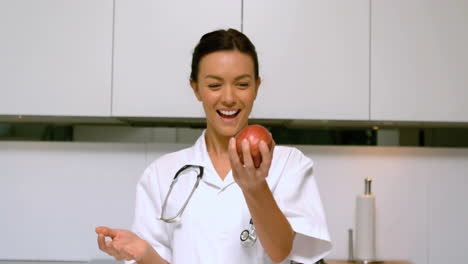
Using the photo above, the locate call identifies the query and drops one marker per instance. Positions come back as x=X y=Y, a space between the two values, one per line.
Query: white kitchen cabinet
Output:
x=154 y=41
x=419 y=60
x=314 y=58
x=55 y=57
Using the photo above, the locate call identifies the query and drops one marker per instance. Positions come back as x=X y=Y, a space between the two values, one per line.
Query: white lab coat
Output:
x=210 y=227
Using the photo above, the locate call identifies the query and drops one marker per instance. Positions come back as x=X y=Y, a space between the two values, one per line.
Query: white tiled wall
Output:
x=52 y=195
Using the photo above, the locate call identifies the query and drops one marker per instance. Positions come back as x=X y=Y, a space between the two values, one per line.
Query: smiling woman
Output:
x=227 y=88
x=233 y=201
x=225 y=79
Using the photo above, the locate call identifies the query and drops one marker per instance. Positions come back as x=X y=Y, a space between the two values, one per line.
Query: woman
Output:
x=278 y=201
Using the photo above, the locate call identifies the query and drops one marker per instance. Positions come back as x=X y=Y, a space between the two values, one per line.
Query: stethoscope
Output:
x=248 y=236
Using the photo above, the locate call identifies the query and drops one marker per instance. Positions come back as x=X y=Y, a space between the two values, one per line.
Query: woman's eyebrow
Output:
x=214 y=77
x=236 y=79
x=242 y=76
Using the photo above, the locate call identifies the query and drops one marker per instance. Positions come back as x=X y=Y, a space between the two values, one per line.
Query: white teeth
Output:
x=228 y=113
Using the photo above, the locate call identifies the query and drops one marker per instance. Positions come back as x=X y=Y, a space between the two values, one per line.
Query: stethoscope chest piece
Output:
x=248 y=237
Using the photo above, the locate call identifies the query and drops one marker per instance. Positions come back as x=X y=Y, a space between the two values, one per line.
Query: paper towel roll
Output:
x=365 y=227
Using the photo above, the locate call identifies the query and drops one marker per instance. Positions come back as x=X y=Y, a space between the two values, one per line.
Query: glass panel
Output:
x=283 y=135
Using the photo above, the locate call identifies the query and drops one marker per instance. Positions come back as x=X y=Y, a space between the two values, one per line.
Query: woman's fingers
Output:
x=116 y=250
x=233 y=156
x=273 y=144
x=110 y=247
x=267 y=155
x=248 y=161
x=125 y=245
x=101 y=242
x=100 y=229
x=104 y=245
x=106 y=231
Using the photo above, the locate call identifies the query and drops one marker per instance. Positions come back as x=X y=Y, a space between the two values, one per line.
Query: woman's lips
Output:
x=228 y=118
x=228 y=113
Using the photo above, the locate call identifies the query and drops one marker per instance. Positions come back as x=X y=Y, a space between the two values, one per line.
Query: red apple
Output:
x=254 y=134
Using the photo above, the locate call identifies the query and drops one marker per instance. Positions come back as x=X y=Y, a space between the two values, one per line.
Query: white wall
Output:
x=421 y=213
x=52 y=195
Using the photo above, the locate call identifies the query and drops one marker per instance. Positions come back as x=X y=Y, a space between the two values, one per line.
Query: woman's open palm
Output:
x=125 y=245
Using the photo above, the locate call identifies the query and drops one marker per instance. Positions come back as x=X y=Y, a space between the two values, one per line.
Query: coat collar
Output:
x=201 y=157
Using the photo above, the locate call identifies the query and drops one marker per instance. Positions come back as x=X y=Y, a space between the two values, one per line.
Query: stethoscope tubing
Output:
x=248 y=236
x=177 y=217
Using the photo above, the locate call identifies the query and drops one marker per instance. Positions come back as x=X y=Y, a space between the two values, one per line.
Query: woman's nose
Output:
x=228 y=95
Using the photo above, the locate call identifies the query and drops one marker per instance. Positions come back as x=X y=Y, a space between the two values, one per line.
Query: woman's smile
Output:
x=228 y=116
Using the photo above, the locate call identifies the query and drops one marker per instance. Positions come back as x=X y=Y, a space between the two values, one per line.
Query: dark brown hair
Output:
x=219 y=40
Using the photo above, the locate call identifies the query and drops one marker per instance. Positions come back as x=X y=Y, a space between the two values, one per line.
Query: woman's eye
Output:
x=243 y=85
x=214 y=85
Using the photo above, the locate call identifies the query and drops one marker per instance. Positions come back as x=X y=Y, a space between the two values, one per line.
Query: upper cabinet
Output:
x=154 y=41
x=419 y=60
x=314 y=58
x=55 y=57
x=383 y=60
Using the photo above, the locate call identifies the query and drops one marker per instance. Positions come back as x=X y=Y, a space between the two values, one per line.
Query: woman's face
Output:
x=227 y=88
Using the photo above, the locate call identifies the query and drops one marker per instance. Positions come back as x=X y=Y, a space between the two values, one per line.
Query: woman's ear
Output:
x=258 y=81
x=195 y=89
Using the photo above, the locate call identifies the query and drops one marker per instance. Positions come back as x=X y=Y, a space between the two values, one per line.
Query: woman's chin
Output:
x=227 y=131
x=230 y=128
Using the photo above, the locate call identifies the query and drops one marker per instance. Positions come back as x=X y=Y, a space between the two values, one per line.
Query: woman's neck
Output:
x=217 y=147
x=216 y=144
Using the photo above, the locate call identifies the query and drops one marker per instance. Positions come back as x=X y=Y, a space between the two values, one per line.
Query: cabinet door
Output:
x=314 y=58
x=154 y=41
x=56 y=57
x=419 y=60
